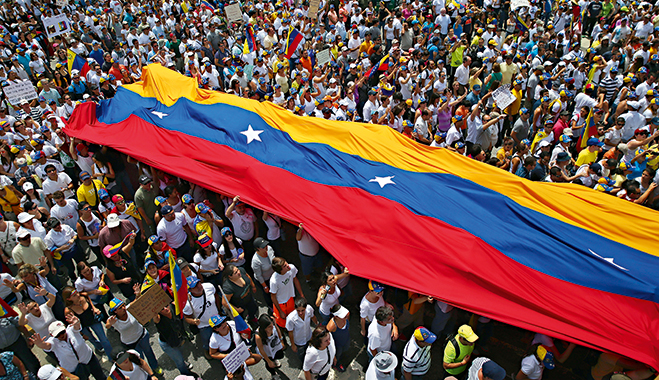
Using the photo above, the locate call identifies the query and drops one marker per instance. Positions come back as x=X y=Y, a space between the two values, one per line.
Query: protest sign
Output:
x=236 y=358
x=233 y=12
x=56 y=25
x=149 y=304
x=16 y=92
x=322 y=57
x=313 y=8
x=503 y=97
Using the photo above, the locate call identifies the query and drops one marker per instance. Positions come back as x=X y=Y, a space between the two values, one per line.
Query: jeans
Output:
x=177 y=357
x=185 y=251
x=101 y=341
x=301 y=352
x=310 y=262
x=205 y=336
x=144 y=348
x=75 y=255
x=92 y=368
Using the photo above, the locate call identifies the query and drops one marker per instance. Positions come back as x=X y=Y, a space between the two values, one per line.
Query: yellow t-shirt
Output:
x=87 y=193
x=516 y=105
x=586 y=157
x=502 y=153
x=365 y=47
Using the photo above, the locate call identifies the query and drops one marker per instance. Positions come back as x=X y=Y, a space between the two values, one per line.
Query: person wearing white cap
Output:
x=70 y=348
x=50 y=372
x=382 y=367
x=30 y=249
x=32 y=225
x=339 y=326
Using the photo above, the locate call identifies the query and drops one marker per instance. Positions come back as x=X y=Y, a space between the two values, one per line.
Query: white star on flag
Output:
x=252 y=134
x=609 y=260
x=383 y=181
x=159 y=114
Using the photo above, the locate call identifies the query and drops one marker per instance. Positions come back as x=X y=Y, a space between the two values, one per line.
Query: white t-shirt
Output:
x=63 y=180
x=379 y=337
x=222 y=343
x=84 y=285
x=207 y=263
x=282 y=284
x=67 y=214
x=319 y=361
x=274 y=227
x=532 y=368
x=301 y=328
x=234 y=252
x=64 y=349
x=40 y=324
x=130 y=330
x=367 y=309
x=194 y=305
x=308 y=246
x=243 y=224
x=173 y=231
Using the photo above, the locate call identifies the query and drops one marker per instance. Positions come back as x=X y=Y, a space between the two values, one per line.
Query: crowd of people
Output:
x=86 y=230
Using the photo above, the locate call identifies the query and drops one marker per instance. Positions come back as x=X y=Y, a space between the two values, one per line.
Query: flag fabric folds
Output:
x=292 y=41
x=250 y=40
x=520 y=24
x=382 y=65
x=75 y=62
x=6 y=311
x=179 y=285
x=589 y=129
x=559 y=259
x=207 y=5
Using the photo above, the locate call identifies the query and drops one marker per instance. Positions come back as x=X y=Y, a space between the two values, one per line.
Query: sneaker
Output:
x=157 y=371
x=339 y=368
x=276 y=377
x=277 y=363
x=190 y=366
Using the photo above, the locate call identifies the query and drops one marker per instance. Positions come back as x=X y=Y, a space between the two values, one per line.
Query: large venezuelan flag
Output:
x=560 y=259
x=75 y=62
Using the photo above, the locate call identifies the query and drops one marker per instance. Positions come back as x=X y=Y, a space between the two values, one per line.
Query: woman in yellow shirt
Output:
x=10 y=202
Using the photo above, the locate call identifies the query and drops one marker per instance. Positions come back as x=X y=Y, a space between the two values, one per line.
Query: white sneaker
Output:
x=277 y=363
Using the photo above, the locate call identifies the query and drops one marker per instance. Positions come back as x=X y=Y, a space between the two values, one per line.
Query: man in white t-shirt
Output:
x=298 y=324
x=283 y=284
x=173 y=229
x=244 y=223
x=534 y=364
x=381 y=332
x=66 y=210
x=57 y=181
x=201 y=306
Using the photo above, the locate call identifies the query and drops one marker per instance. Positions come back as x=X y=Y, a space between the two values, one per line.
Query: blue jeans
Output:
x=144 y=348
x=101 y=341
x=176 y=356
x=310 y=262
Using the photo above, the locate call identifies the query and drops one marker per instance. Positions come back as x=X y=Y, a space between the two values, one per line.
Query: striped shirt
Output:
x=610 y=85
x=416 y=360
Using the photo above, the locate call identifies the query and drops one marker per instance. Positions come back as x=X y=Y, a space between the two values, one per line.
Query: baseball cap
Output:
x=27 y=185
x=49 y=372
x=201 y=208
x=204 y=240
x=166 y=210
x=192 y=281
x=52 y=222
x=56 y=328
x=375 y=286
x=113 y=220
x=84 y=175
x=562 y=156
x=546 y=357
x=117 y=198
x=422 y=334
x=22 y=232
x=476 y=87
x=565 y=139
x=216 y=320
x=225 y=230
x=467 y=333
x=144 y=179
x=593 y=141
x=153 y=239
x=182 y=263
x=102 y=193
x=159 y=200
x=149 y=262
x=115 y=304
x=260 y=242
x=492 y=370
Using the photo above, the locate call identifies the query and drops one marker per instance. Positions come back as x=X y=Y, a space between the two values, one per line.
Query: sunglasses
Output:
x=121 y=202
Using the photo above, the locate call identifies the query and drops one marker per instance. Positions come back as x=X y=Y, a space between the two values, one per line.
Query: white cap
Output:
x=333 y=80
x=56 y=328
x=543 y=144
x=113 y=220
x=22 y=233
x=75 y=72
x=49 y=372
x=24 y=217
x=341 y=313
x=27 y=186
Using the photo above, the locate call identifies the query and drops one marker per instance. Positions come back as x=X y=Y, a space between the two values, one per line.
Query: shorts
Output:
x=286 y=308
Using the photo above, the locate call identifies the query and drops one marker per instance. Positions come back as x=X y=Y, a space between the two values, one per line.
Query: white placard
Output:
x=313 y=8
x=236 y=358
x=233 y=12
x=62 y=3
x=503 y=97
x=16 y=92
x=322 y=57
x=57 y=25
x=514 y=4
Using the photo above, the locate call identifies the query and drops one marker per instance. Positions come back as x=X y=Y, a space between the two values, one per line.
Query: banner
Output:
x=322 y=57
x=16 y=92
x=514 y=4
x=233 y=12
x=313 y=9
x=149 y=304
x=56 y=25
x=503 y=97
